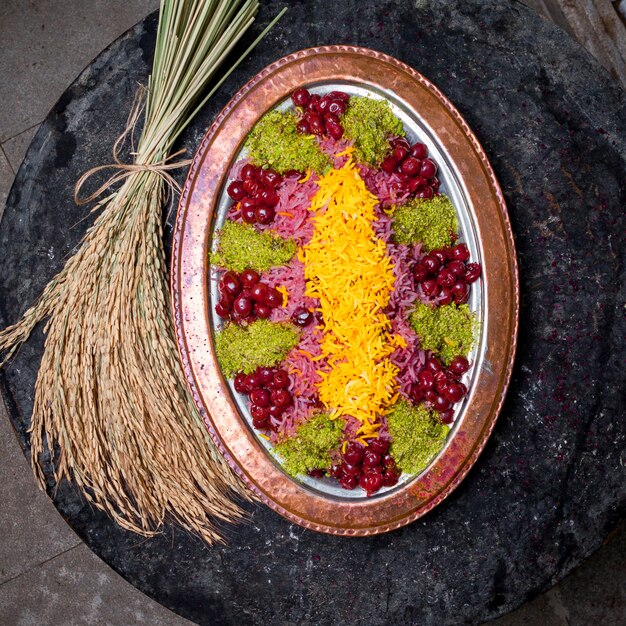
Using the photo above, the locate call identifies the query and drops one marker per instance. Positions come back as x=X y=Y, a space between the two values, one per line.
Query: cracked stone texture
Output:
x=550 y=485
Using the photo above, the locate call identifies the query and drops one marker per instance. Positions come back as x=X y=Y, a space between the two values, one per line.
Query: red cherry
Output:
x=339 y=95
x=280 y=380
x=303 y=127
x=445 y=278
x=388 y=460
x=428 y=169
x=317 y=126
x=323 y=104
x=441 y=404
x=354 y=453
x=276 y=411
x=441 y=381
x=390 y=477
x=399 y=152
x=236 y=191
x=416 y=394
x=419 y=151
x=420 y=272
x=371 y=458
x=240 y=386
x=266 y=374
x=269 y=198
x=446 y=417
x=460 y=252
x=259 y=412
x=426 y=379
x=221 y=310
x=389 y=164
x=300 y=97
x=430 y=287
x=416 y=183
x=335 y=471
x=248 y=214
x=459 y=365
x=433 y=364
x=371 y=482
x=270 y=178
x=460 y=292
x=457 y=267
x=262 y=424
x=473 y=272
x=249 y=278
x=280 y=397
x=313 y=102
x=441 y=254
x=248 y=172
x=445 y=296
x=348 y=482
x=400 y=141
x=259 y=291
x=454 y=392
x=431 y=263
x=380 y=445
x=430 y=395
x=252 y=381
x=251 y=186
x=273 y=298
x=329 y=118
x=426 y=193
x=230 y=284
x=337 y=107
x=260 y=397
x=410 y=166
x=351 y=470
x=264 y=214
x=334 y=130
x=243 y=306
x=262 y=311
x=302 y=317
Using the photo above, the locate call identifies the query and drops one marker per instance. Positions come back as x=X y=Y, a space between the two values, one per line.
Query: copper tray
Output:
x=466 y=177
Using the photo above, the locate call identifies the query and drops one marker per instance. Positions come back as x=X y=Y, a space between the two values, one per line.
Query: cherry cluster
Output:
x=445 y=273
x=266 y=388
x=244 y=298
x=440 y=387
x=370 y=467
x=256 y=191
x=417 y=172
x=320 y=114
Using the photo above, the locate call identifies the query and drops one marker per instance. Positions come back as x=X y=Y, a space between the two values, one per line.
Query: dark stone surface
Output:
x=551 y=483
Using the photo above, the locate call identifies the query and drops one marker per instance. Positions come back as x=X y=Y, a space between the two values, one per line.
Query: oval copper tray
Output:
x=484 y=220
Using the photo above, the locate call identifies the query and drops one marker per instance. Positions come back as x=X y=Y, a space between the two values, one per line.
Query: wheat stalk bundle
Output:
x=111 y=402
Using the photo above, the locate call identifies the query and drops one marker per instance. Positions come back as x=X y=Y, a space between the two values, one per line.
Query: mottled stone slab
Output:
x=551 y=483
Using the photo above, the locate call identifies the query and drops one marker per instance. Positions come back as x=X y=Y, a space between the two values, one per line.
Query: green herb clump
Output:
x=429 y=222
x=242 y=247
x=276 y=143
x=260 y=344
x=417 y=436
x=312 y=444
x=446 y=330
x=369 y=123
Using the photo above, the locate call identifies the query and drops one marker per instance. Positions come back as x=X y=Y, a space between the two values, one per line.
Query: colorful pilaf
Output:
x=334 y=341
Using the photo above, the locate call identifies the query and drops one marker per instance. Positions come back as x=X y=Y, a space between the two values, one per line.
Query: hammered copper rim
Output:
x=190 y=291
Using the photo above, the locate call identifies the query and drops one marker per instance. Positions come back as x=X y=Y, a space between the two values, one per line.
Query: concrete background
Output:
x=47 y=575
